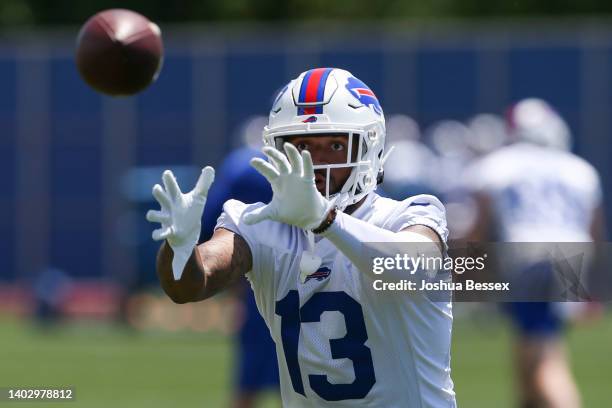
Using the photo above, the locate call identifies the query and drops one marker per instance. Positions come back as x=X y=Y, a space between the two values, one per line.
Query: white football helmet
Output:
x=535 y=121
x=325 y=101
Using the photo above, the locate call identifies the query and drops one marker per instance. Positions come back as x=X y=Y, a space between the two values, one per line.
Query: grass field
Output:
x=114 y=367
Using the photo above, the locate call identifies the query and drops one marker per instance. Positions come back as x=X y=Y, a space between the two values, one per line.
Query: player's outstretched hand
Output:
x=295 y=198
x=180 y=215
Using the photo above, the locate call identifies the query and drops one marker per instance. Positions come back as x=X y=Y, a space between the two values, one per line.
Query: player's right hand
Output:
x=180 y=215
x=295 y=198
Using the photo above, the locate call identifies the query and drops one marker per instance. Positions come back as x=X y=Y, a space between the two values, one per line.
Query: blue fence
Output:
x=65 y=150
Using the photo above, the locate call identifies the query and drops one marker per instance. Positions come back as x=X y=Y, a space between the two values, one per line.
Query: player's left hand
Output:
x=295 y=200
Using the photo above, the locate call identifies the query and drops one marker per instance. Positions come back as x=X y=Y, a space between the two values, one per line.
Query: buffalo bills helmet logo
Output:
x=363 y=94
x=310 y=119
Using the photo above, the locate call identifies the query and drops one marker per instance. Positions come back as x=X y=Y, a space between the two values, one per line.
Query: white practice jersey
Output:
x=538 y=194
x=339 y=343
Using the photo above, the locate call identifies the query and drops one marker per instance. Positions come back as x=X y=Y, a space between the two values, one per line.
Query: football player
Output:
x=308 y=254
x=535 y=190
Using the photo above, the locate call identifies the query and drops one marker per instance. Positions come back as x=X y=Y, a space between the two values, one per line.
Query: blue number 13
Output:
x=351 y=346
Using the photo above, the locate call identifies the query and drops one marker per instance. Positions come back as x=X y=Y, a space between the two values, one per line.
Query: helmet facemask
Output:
x=364 y=153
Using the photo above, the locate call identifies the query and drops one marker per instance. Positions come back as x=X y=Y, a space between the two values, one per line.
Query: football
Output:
x=119 y=52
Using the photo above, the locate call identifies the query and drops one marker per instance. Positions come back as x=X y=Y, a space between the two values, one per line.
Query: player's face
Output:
x=325 y=149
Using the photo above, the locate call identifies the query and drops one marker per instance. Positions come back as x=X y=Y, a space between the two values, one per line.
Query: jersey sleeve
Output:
x=231 y=219
x=422 y=209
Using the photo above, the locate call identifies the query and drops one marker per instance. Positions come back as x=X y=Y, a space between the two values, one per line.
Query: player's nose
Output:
x=318 y=156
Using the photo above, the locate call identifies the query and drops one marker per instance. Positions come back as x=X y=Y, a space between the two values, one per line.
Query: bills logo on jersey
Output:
x=363 y=94
x=321 y=273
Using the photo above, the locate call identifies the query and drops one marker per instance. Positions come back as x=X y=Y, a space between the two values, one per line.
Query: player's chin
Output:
x=321 y=187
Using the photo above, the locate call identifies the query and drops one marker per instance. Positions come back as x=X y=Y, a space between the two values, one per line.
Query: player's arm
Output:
x=481 y=229
x=212 y=267
x=189 y=272
x=598 y=225
x=428 y=233
x=361 y=241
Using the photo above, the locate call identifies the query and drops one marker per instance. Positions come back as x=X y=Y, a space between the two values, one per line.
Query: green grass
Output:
x=114 y=367
x=482 y=363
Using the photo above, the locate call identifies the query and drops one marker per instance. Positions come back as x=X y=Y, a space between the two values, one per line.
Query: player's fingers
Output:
x=294 y=157
x=161 y=197
x=171 y=185
x=265 y=169
x=204 y=182
x=158 y=216
x=308 y=168
x=161 y=233
x=258 y=215
x=278 y=159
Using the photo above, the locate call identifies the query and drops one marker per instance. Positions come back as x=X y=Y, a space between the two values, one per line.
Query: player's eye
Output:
x=302 y=146
x=338 y=147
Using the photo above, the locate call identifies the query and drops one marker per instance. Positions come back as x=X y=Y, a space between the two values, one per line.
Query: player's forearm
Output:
x=361 y=242
x=212 y=267
x=191 y=282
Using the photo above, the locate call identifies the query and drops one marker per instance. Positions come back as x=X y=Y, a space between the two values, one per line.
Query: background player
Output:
x=535 y=190
x=337 y=340
x=256 y=369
